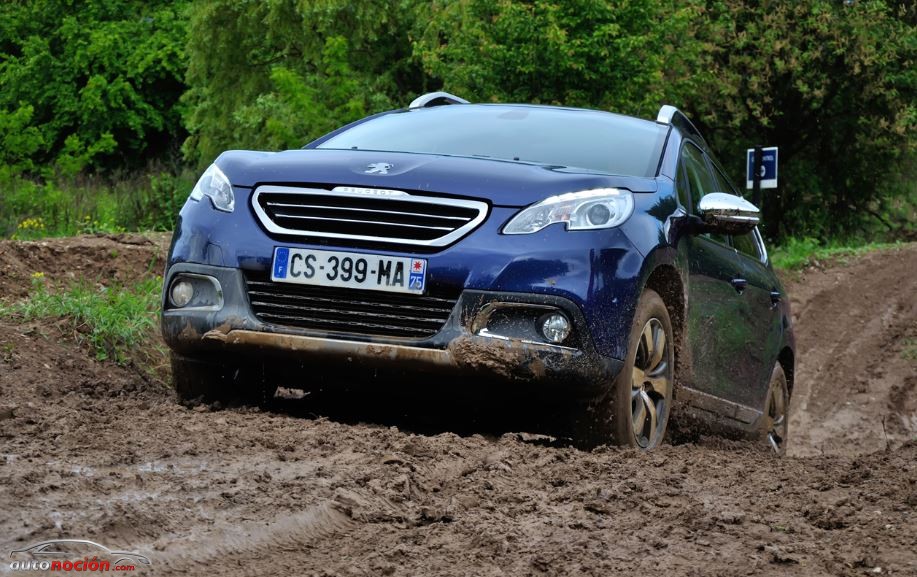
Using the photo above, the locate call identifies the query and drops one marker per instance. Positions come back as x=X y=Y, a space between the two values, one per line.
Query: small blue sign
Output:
x=281 y=258
x=768 y=168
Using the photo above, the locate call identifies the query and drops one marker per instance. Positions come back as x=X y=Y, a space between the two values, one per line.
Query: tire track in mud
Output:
x=250 y=546
x=401 y=502
x=852 y=325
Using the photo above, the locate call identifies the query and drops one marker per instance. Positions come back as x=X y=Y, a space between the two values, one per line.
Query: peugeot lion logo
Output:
x=378 y=168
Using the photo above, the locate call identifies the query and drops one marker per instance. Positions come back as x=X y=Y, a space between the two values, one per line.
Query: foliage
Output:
x=798 y=253
x=621 y=55
x=91 y=84
x=833 y=84
x=299 y=69
x=111 y=319
x=94 y=91
x=19 y=140
x=148 y=200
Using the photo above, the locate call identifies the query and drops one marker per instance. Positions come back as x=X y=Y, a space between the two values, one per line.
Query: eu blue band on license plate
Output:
x=281 y=260
x=349 y=270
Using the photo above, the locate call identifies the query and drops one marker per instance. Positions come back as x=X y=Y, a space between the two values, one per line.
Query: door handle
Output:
x=776 y=297
x=740 y=284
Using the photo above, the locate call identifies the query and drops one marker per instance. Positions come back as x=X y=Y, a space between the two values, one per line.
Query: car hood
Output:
x=503 y=183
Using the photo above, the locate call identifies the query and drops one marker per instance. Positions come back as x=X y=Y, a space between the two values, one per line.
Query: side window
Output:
x=747 y=244
x=681 y=186
x=723 y=184
x=699 y=177
x=700 y=181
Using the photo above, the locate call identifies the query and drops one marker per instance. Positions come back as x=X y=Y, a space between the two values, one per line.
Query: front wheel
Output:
x=634 y=411
x=775 y=421
x=197 y=381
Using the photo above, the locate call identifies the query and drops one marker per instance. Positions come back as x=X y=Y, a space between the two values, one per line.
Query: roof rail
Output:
x=436 y=99
x=671 y=116
x=666 y=113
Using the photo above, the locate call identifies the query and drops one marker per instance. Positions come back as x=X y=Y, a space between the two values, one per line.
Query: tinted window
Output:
x=700 y=181
x=681 y=186
x=699 y=178
x=747 y=244
x=584 y=139
x=722 y=183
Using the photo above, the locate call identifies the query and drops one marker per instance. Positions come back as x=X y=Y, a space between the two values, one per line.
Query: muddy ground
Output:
x=97 y=451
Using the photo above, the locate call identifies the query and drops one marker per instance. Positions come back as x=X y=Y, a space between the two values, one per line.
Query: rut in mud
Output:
x=92 y=450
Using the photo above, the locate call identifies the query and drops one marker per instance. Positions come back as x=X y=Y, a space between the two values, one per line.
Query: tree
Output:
x=99 y=80
x=624 y=55
x=278 y=74
x=833 y=84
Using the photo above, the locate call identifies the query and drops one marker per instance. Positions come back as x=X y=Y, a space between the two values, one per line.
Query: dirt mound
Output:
x=88 y=450
x=113 y=258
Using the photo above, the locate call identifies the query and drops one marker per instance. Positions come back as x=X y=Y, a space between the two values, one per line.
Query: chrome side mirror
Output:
x=728 y=214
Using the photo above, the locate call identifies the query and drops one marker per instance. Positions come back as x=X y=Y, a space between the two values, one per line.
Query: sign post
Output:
x=761 y=171
x=756 y=176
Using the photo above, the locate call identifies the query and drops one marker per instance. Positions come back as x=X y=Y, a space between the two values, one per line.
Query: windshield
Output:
x=585 y=139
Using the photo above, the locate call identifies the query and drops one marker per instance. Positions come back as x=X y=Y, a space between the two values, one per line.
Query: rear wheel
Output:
x=198 y=381
x=634 y=411
x=775 y=427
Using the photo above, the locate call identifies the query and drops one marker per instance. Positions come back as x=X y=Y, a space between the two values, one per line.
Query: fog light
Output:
x=555 y=327
x=181 y=294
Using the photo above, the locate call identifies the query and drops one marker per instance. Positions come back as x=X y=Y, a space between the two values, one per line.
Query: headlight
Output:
x=586 y=210
x=213 y=183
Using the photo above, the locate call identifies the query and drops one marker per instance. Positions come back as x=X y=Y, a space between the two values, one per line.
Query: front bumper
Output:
x=460 y=349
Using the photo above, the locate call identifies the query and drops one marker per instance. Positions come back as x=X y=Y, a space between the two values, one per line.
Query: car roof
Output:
x=512 y=105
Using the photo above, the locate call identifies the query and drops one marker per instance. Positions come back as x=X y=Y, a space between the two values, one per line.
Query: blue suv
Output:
x=599 y=261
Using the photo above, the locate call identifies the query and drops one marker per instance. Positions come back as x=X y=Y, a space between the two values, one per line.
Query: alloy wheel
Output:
x=651 y=385
x=776 y=424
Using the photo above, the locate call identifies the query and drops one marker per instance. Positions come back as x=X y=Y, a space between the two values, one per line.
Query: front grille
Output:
x=347 y=310
x=374 y=215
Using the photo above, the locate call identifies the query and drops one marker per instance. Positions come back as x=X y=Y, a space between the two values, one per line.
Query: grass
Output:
x=795 y=253
x=910 y=349
x=113 y=320
x=32 y=208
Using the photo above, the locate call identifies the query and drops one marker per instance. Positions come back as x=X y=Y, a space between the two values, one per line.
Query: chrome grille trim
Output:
x=462 y=225
x=348 y=310
x=288 y=205
x=375 y=222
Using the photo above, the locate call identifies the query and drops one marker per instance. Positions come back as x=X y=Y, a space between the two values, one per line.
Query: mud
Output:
x=105 y=259
x=508 y=360
x=92 y=450
x=857 y=349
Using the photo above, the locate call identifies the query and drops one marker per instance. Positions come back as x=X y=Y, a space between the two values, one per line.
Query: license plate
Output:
x=349 y=270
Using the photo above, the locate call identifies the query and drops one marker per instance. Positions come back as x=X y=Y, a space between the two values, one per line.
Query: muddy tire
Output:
x=634 y=409
x=775 y=421
x=202 y=382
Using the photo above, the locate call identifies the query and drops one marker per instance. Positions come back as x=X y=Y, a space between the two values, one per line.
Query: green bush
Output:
x=278 y=74
x=111 y=319
x=150 y=200
x=621 y=55
x=94 y=83
x=834 y=85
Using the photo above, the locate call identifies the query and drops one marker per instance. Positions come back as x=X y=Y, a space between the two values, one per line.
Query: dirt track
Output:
x=91 y=450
